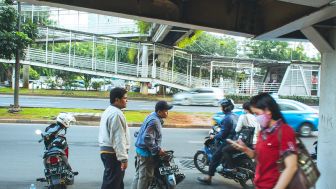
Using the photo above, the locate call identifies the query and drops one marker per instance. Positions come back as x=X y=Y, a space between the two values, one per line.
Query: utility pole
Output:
x=16 y=108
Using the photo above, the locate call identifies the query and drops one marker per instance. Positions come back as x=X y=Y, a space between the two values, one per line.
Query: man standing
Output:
x=148 y=145
x=114 y=140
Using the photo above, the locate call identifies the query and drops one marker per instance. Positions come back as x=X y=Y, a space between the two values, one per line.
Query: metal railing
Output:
x=122 y=68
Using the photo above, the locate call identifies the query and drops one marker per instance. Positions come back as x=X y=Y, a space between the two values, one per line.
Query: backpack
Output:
x=246 y=134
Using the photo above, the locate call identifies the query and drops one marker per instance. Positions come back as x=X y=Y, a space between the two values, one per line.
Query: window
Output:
x=287 y=107
x=206 y=91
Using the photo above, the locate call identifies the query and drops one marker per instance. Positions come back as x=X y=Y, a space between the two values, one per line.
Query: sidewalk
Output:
x=92 y=119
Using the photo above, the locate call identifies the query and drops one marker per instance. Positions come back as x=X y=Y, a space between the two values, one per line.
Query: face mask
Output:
x=264 y=120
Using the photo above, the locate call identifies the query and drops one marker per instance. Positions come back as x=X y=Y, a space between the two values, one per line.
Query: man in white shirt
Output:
x=114 y=140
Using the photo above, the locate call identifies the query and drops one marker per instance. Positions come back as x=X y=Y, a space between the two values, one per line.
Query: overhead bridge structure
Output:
x=108 y=57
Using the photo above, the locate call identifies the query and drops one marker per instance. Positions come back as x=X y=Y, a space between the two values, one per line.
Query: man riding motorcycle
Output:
x=227 y=126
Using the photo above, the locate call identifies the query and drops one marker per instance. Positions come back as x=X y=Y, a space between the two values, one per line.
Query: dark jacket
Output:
x=227 y=125
x=150 y=136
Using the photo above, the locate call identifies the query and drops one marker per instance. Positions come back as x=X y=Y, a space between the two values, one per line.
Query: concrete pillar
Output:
x=144 y=88
x=327 y=119
x=164 y=60
x=327 y=122
x=25 y=71
x=144 y=62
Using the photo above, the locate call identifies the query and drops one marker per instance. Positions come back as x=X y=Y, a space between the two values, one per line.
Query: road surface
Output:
x=21 y=156
x=92 y=103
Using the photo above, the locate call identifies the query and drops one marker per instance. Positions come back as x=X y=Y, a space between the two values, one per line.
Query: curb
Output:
x=94 y=123
x=91 y=97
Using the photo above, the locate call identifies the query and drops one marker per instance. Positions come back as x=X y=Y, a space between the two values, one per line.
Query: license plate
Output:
x=55 y=170
x=168 y=170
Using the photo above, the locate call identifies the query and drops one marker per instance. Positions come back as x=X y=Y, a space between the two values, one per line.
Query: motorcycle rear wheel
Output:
x=201 y=162
x=58 y=186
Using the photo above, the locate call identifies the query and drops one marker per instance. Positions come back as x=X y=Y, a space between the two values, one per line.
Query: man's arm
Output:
x=240 y=123
x=118 y=138
x=226 y=127
x=150 y=136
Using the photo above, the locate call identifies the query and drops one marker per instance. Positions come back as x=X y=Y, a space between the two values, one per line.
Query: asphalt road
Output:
x=90 y=103
x=21 y=156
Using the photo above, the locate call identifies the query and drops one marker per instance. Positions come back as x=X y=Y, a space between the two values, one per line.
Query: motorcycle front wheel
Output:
x=201 y=162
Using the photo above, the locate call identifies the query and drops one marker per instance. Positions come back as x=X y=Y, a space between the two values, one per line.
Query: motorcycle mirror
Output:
x=38 y=132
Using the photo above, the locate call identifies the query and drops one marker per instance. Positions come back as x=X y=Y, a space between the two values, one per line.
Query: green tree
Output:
x=10 y=38
x=87 y=80
x=274 y=50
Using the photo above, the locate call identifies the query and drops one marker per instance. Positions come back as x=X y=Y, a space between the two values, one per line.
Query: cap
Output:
x=162 y=105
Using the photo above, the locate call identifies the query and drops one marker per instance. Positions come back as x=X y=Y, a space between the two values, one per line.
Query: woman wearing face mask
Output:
x=275 y=141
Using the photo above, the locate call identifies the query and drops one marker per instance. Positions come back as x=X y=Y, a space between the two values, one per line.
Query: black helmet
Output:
x=227 y=105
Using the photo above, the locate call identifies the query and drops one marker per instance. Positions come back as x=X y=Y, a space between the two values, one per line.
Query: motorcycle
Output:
x=58 y=172
x=167 y=174
x=244 y=166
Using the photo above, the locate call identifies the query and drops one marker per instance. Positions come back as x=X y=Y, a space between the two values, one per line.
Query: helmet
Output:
x=65 y=119
x=227 y=104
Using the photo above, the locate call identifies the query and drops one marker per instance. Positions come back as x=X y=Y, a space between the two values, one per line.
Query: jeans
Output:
x=113 y=175
x=216 y=159
x=145 y=167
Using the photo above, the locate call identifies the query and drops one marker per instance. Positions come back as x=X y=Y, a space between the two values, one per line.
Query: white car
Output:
x=199 y=96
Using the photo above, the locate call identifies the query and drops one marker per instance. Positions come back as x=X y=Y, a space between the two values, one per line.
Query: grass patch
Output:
x=131 y=116
x=76 y=93
x=40 y=113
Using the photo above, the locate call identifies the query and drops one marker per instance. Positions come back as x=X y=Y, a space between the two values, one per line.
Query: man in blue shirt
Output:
x=148 y=145
x=227 y=131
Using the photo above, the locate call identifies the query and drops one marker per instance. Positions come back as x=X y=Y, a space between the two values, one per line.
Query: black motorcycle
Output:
x=167 y=174
x=58 y=172
x=244 y=167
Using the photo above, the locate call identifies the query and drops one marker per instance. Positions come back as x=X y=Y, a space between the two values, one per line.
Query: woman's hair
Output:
x=247 y=106
x=265 y=101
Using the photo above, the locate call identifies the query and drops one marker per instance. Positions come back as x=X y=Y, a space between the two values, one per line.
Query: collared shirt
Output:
x=269 y=149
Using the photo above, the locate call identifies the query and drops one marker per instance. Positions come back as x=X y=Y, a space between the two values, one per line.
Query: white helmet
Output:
x=65 y=119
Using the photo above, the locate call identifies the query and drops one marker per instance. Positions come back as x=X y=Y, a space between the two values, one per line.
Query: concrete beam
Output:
x=304 y=22
x=243 y=18
x=317 y=40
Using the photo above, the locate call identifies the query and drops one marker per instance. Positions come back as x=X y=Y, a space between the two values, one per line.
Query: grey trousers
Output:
x=144 y=172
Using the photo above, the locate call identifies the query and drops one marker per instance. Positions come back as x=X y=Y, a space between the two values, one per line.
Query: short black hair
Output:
x=162 y=105
x=247 y=106
x=265 y=101
x=117 y=92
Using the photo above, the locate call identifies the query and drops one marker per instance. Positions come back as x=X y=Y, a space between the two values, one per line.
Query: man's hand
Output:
x=124 y=166
x=162 y=153
x=212 y=136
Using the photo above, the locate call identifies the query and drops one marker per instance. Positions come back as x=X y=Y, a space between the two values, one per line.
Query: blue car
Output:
x=302 y=118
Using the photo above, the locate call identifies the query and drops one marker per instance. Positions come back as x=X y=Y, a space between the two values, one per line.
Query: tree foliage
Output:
x=11 y=39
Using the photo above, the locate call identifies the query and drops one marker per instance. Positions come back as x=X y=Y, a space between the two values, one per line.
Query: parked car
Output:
x=302 y=118
x=199 y=96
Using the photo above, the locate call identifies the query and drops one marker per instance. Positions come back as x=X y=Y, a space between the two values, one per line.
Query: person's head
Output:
x=266 y=108
x=227 y=105
x=65 y=119
x=247 y=107
x=161 y=108
x=118 y=97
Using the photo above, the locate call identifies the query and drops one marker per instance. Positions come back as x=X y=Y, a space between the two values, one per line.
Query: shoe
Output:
x=204 y=181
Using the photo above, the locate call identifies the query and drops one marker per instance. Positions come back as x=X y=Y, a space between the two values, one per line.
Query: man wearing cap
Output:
x=148 y=145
